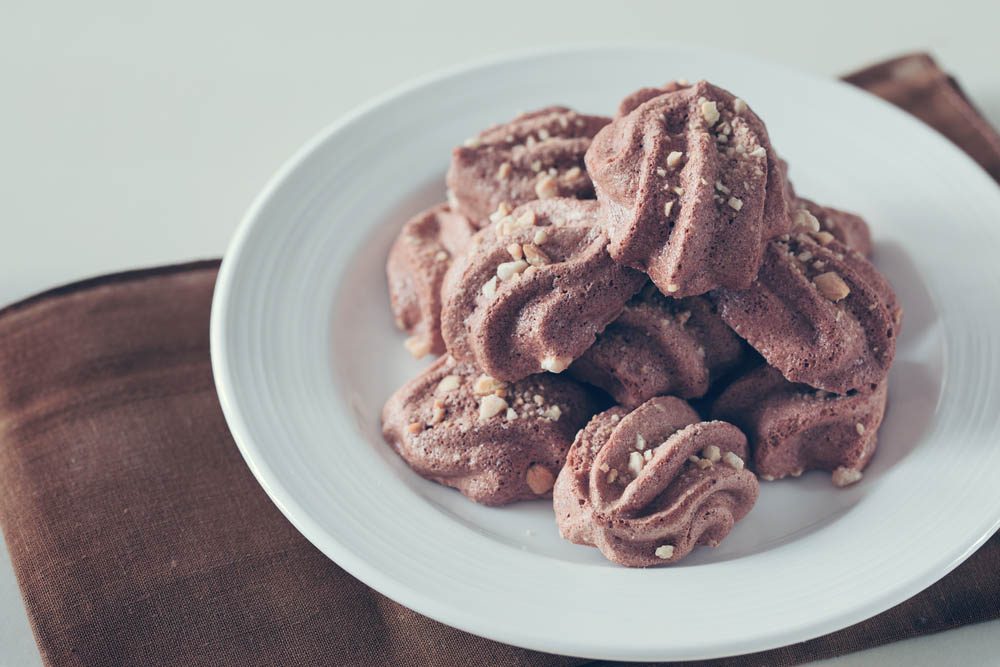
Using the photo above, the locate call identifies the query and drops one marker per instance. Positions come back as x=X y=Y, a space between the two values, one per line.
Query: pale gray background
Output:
x=133 y=135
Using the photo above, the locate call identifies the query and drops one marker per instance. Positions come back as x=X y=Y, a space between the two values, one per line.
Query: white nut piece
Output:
x=555 y=364
x=547 y=187
x=490 y=406
x=712 y=453
x=540 y=479
x=831 y=286
x=665 y=552
x=846 y=476
x=674 y=158
x=805 y=221
x=710 y=112
x=635 y=463
x=733 y=461
x=447 y=383
x=508 y=270
x=417 y=346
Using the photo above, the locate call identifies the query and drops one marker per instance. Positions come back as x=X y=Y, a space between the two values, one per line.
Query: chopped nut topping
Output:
x=823 y=238
x=547 y=188
x=472 y=142
x=541 y=236
x=832 y=286
x=767 y=478
x=635 y=463
x=647 y=455
x=438 y=415
x=739 y=106
x=678 y=191
x=538 y=399
x=733 y=461
x=573 y=172
x=660 y=171
x=509 y=138
x=485 y=384
x=555 y=364
x=563 y=122
x=712 y=453
x=526 y=219
x=860 y=428
x=721 y=188
x=673 y=287
x=511 y=414
x=735 y=203
x=846 y=476
x=604 y=467
x=507 y=270
x=490 y=288
x=682 y=317
x=612 y=476
x=417 y=346
x=666 y=552
x=543 y=134
x=536 y=166
x=534 y=255
x=503 y=173
x=503 y=210
x=704 y=463
x=640 y=442
x=441 y=255
x=540 y=479
x=415 y=427
x=447 y=383
x=552 y=413
x=490 y=406
x=804 y=256
x=668 y=207
x=674 y=158
x=710 y=112
x=760 y=151
x=805 y=221
x=516 y=251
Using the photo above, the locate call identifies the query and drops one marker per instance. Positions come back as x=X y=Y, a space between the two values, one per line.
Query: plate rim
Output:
x=410 y=596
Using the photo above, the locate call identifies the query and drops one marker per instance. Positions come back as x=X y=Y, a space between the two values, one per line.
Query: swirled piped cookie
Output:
x=645 y=487
x=534 y=289
x=818 y=312
x=660 y=346
x=794 y=428
x=494 y=441
x=690 y=187
x=418 y=261
x=537 y=155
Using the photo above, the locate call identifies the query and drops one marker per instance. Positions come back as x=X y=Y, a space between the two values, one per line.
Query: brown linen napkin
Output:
x=139 y=536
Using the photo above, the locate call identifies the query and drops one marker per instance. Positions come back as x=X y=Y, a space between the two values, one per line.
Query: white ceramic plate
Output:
x=305 y=354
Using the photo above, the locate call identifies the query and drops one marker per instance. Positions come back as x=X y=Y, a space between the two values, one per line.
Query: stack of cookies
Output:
x=637 y=317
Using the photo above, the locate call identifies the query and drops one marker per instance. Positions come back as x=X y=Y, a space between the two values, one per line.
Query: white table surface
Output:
x=133 y=136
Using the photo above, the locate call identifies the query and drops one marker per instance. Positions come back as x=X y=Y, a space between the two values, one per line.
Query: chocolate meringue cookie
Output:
x=848 y=228
x=818 y=312
x=793 y=427
x=538 y=155
x=493 y=441
x=660 y=346
x=690 y=187
x=417 y=263
x=533 y=290
x=645 y=487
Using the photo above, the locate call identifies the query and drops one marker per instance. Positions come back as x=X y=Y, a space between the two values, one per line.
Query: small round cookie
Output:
x=818 y=312
x=538 y=155
x=691 y=188
x=533 y=290
x=495 y=442
x=645 y=487
x=793 y=427
x=417 y=262
x=660 y=346
x=848 y=228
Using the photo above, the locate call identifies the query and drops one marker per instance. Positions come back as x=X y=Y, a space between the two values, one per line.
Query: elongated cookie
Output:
x=534 y=289
x=418 y=261
x=818 y=312
x=660 y=346
x=495 y=442
x=691 y=188
x=645 y=487
x=538 y=155
x=793 y=427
